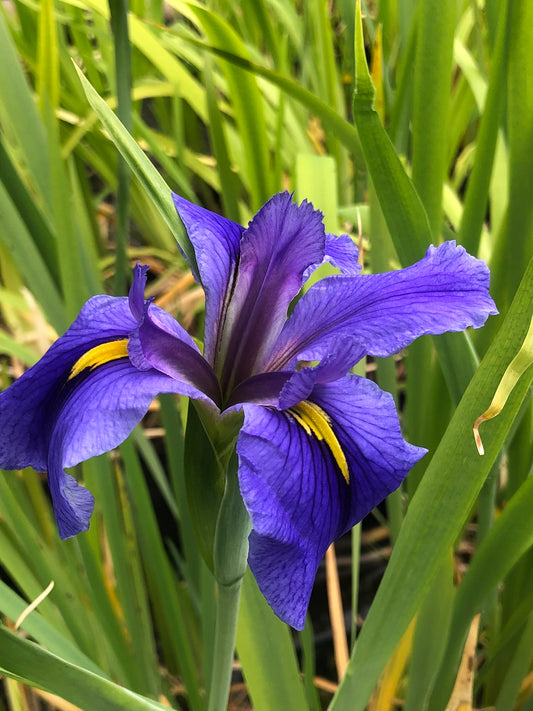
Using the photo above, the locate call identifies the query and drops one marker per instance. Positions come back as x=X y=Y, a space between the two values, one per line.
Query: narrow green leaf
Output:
x=48 y=58
x=19 y=112
x=432 y=82
x=147 y=39
x=131 y=631
x=308 y=665
x=518 y=247
x=18 y=243
x=518 y=670
x=30 y=664
x=334 y=123
x=167 y=603
x=429 y=641
x=69 y=249
x=37 y=223
x=42 y=631
x=316 y=181
x=32 y=567
x=247 y=103
x=507 y=541
x=123 y=78
x=9 y=346
x=139 y=163
x=402 y=208
x=228 y=179
x=266 y=654
x=115 y=654
x=321 y=49
x=174 y=449
x=477 y=190
x=155 y=467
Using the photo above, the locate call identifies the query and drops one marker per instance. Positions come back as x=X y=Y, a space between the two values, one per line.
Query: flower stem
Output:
x=229 y=558
x=225 y=630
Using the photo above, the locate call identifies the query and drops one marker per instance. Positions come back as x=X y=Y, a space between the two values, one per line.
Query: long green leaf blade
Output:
x=139 y=163
x=25 y=661
x=266 y=653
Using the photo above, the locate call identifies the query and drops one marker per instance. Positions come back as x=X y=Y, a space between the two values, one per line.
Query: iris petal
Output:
x=445 y=291
x=86 y=394
x=367 y=427
x=297 y=497
x=341 y=252
x=96 y=413
x=216 y=242
x=27 y=407
x=281 y=242
x=136 y=296
x=339 y=357
x=159 y=342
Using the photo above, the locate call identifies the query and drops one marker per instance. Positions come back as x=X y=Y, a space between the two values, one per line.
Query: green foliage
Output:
x=227 y=103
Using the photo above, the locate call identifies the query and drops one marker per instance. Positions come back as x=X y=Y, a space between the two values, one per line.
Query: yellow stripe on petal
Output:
x=315 y=421
x=99 y=355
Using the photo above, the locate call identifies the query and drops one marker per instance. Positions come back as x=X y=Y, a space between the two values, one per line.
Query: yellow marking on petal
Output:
x=99 y=355
x=315 y=421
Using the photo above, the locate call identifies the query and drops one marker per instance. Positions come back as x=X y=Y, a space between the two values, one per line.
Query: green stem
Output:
x=230 y=560
x=227 y=612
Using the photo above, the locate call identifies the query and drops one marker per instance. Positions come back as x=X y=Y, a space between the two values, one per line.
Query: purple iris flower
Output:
x=319 y=448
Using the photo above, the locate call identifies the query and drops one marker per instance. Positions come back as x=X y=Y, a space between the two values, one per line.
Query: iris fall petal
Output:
x=295 y=493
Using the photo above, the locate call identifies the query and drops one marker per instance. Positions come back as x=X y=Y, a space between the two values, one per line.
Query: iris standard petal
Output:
x=281 y=242
x=216 y=242
x=296 y=494
x=448 y=290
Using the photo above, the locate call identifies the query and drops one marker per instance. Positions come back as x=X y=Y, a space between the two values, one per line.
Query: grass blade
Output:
x=267 y=655
x=30 y=664
x=18 y=243
x=247 y=104
x=119 y=25
x=507 y=541
x=139 y=163
x=477 y=190
x=19 y=112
